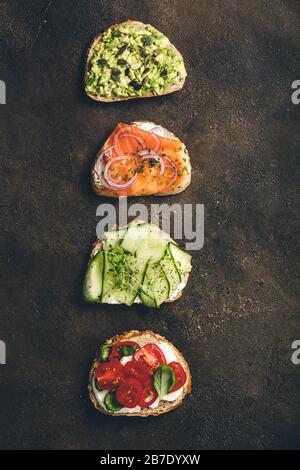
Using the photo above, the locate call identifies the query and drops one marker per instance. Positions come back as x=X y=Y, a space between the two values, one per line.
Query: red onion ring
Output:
x=174 y=176
x=101 y=170
x=116 y=180
x=126 y=132
x=112 y=182
x=117 y=187
x=146 y=152
x=124 y=129
x=136 y=137
x=156 y=149
x=162 y=132
x=99 y=161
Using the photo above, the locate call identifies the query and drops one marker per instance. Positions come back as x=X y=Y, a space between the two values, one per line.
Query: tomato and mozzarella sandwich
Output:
x=138 y=373
x=141 y=159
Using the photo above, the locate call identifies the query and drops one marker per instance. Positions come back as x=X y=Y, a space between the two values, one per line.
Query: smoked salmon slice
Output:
x=141 y=159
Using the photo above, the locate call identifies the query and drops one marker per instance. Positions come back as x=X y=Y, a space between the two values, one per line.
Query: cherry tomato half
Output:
x=180 y=375
x=129 y=392
x=151 y=356
x=137 y=370
x=115 y=354
x=148 y=395
x=110 y=375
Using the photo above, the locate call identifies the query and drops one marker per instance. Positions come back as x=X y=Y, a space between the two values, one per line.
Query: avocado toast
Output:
x=132 y=60
x=138 y=373
x=138 y=263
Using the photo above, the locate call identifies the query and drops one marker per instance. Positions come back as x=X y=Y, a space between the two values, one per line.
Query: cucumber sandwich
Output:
x=132 y=60
x=136 y=264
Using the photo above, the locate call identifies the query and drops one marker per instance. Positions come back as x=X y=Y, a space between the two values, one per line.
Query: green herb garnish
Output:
x=127 y=350
x=164 y=380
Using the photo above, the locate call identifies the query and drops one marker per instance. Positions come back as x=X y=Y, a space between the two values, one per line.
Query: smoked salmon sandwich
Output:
x=140 y=159
x=138 y=373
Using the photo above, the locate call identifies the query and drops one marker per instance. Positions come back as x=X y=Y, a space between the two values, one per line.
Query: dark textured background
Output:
x=238 y=317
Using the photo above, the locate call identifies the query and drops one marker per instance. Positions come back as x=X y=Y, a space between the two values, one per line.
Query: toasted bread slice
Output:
x=182 y=157
x=98 y=246
x=142 y=338
x=138 y=26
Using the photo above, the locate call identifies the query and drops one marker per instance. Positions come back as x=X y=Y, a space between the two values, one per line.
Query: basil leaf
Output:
x=164 y=380
x=111 y=403
x=104 y=352
x=127 y=350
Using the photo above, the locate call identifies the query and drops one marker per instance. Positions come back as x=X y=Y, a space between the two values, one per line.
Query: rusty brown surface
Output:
x=238 y=316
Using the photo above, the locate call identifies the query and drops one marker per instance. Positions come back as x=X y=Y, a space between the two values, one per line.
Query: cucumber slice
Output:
x=122 y=278
x=93 y=281
x=138 y=268
x=145 y=241
x=171 y=271
x=182 y=258
x=147 y=300
x=156 y=287
x=111 y=403
x=114 y=237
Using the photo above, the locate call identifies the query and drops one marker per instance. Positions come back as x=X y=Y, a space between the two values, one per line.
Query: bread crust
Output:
x=98 y=246
x=97 y=188
x=146 y=336
x=103 y=99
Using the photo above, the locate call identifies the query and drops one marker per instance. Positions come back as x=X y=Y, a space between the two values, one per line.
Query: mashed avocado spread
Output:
x=129 y=61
